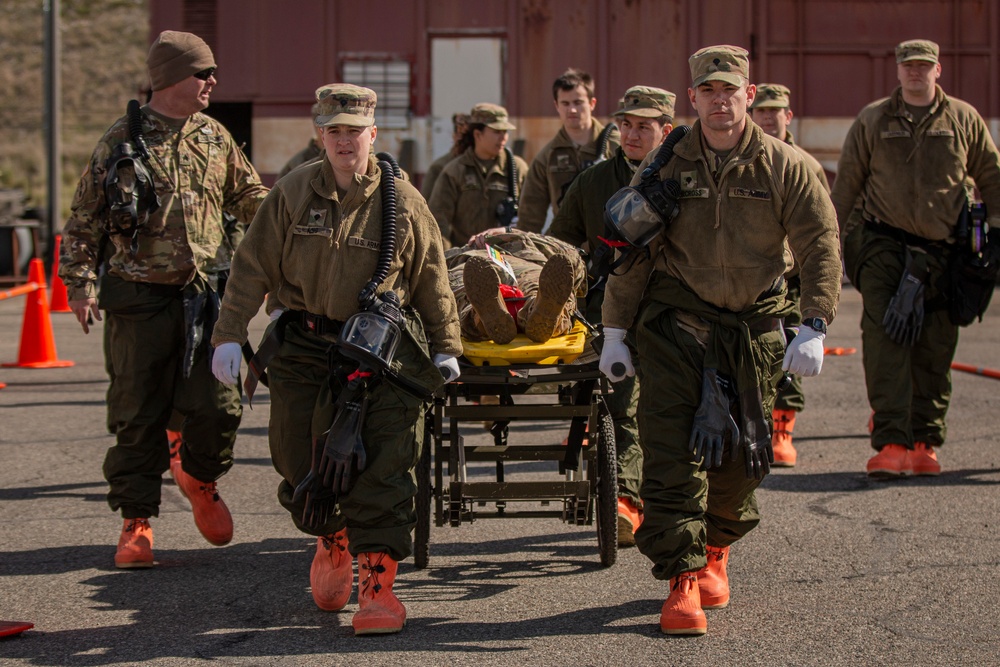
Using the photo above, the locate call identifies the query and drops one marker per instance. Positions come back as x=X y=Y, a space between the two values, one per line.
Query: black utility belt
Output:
x=317 y=324
x=902 y=235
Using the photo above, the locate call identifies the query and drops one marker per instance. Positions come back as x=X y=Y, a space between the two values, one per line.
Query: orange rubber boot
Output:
x=924 y=461
x=682 y=613
x=891 y=461
x=135 y=546
x=713 y=582
x=174 y=441
x=331 y=575
x=781 y=439
x=629 y=520
x=380 y=611
x=211 y=515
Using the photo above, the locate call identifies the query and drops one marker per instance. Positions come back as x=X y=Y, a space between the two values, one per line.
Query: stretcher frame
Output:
x=587 y=492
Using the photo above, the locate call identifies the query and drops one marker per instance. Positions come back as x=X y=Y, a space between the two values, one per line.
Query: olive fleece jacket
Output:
x=557 y=164
x=915 y=178
x=318 y=251
x=730 y=242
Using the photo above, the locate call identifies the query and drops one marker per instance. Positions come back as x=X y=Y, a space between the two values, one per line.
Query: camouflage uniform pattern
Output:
x=200 y=173
x=207 y=190
x=557 y=164
x=526 y=253
x=466 y=195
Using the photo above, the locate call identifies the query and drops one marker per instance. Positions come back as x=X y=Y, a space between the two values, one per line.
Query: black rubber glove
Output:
x=320 y=502
x=713 y=422
x=755 y=440
x=905 y=315
x=343 y=451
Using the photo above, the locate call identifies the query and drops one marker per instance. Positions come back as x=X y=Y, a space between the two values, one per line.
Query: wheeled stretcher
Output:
x=557 y=381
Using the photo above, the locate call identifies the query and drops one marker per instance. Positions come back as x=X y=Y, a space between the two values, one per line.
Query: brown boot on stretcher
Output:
x=555 y=286
x=482 y=286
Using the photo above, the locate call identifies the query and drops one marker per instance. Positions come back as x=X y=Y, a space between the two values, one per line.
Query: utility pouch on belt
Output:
x=973 y=266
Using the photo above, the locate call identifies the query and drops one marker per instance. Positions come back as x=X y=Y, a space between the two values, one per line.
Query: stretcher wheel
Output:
x=422 y=531
x=607 y=487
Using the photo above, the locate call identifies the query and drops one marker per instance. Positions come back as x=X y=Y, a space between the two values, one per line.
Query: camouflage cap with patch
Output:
x=771 y=96
x=647 y=102
x=344 y=104
x=492 y=116
x=917 y=49
x=720 y=63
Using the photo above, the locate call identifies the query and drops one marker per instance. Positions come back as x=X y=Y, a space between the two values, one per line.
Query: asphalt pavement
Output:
x=843 y=570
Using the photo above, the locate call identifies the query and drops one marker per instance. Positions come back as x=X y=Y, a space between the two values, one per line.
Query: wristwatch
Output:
x=815 y=323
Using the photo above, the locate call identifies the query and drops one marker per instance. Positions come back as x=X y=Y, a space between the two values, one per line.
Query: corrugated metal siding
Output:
x=836 y=55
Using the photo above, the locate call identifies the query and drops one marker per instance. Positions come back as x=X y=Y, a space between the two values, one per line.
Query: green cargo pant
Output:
x=378 y=510
x=909 y=388
x=147 y=385
x=622 y=406
x=683 y=505
x=792 y=397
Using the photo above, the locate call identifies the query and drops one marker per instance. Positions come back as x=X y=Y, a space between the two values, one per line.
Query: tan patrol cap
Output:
x=771 y=96
x=917 y=49
x=720 y=63
x=647 y=102
x=492 y=116
x=344 y=104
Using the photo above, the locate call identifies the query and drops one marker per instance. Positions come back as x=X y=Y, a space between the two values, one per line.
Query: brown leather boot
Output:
x=781 y=439
x=555 y=286
x=682 y=613
x=380 y=611
x=331 y=575
x=713 y=582
x=482 y=286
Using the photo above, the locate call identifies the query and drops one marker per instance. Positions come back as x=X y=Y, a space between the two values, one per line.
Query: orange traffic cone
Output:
x=38 y=346
x=60 y=298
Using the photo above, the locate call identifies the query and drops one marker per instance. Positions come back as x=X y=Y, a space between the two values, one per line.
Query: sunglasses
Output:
x=204 y=74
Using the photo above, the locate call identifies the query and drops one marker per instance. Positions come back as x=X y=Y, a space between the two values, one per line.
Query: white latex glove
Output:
x=448 y=365
x=276 y=313
x=226 y=363
x=804 y=356
x=616 y=360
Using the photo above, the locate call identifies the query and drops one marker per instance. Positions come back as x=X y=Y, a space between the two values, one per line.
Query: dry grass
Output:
x=104 y=44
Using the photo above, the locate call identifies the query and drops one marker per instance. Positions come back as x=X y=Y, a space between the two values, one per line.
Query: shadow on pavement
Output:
x=788 y=480
x=215 y=604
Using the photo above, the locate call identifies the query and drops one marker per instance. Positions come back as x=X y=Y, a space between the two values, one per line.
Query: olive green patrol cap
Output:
x=917 y=49
x=344 y=104
x=492 y=116
x=647 y=102
x=771 y=96
x=720 y=63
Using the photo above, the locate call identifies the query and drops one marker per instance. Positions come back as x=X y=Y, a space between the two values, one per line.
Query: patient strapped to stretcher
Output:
x=510 y=282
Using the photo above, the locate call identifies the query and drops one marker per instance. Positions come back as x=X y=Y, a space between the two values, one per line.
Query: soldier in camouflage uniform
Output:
x=156 y=290
x=910 y=157
x=645 y=119
x=772 y=112
x=471 y=187
x=316 y=242
x=707 y=305
x=573 y=148
x=537 y=296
